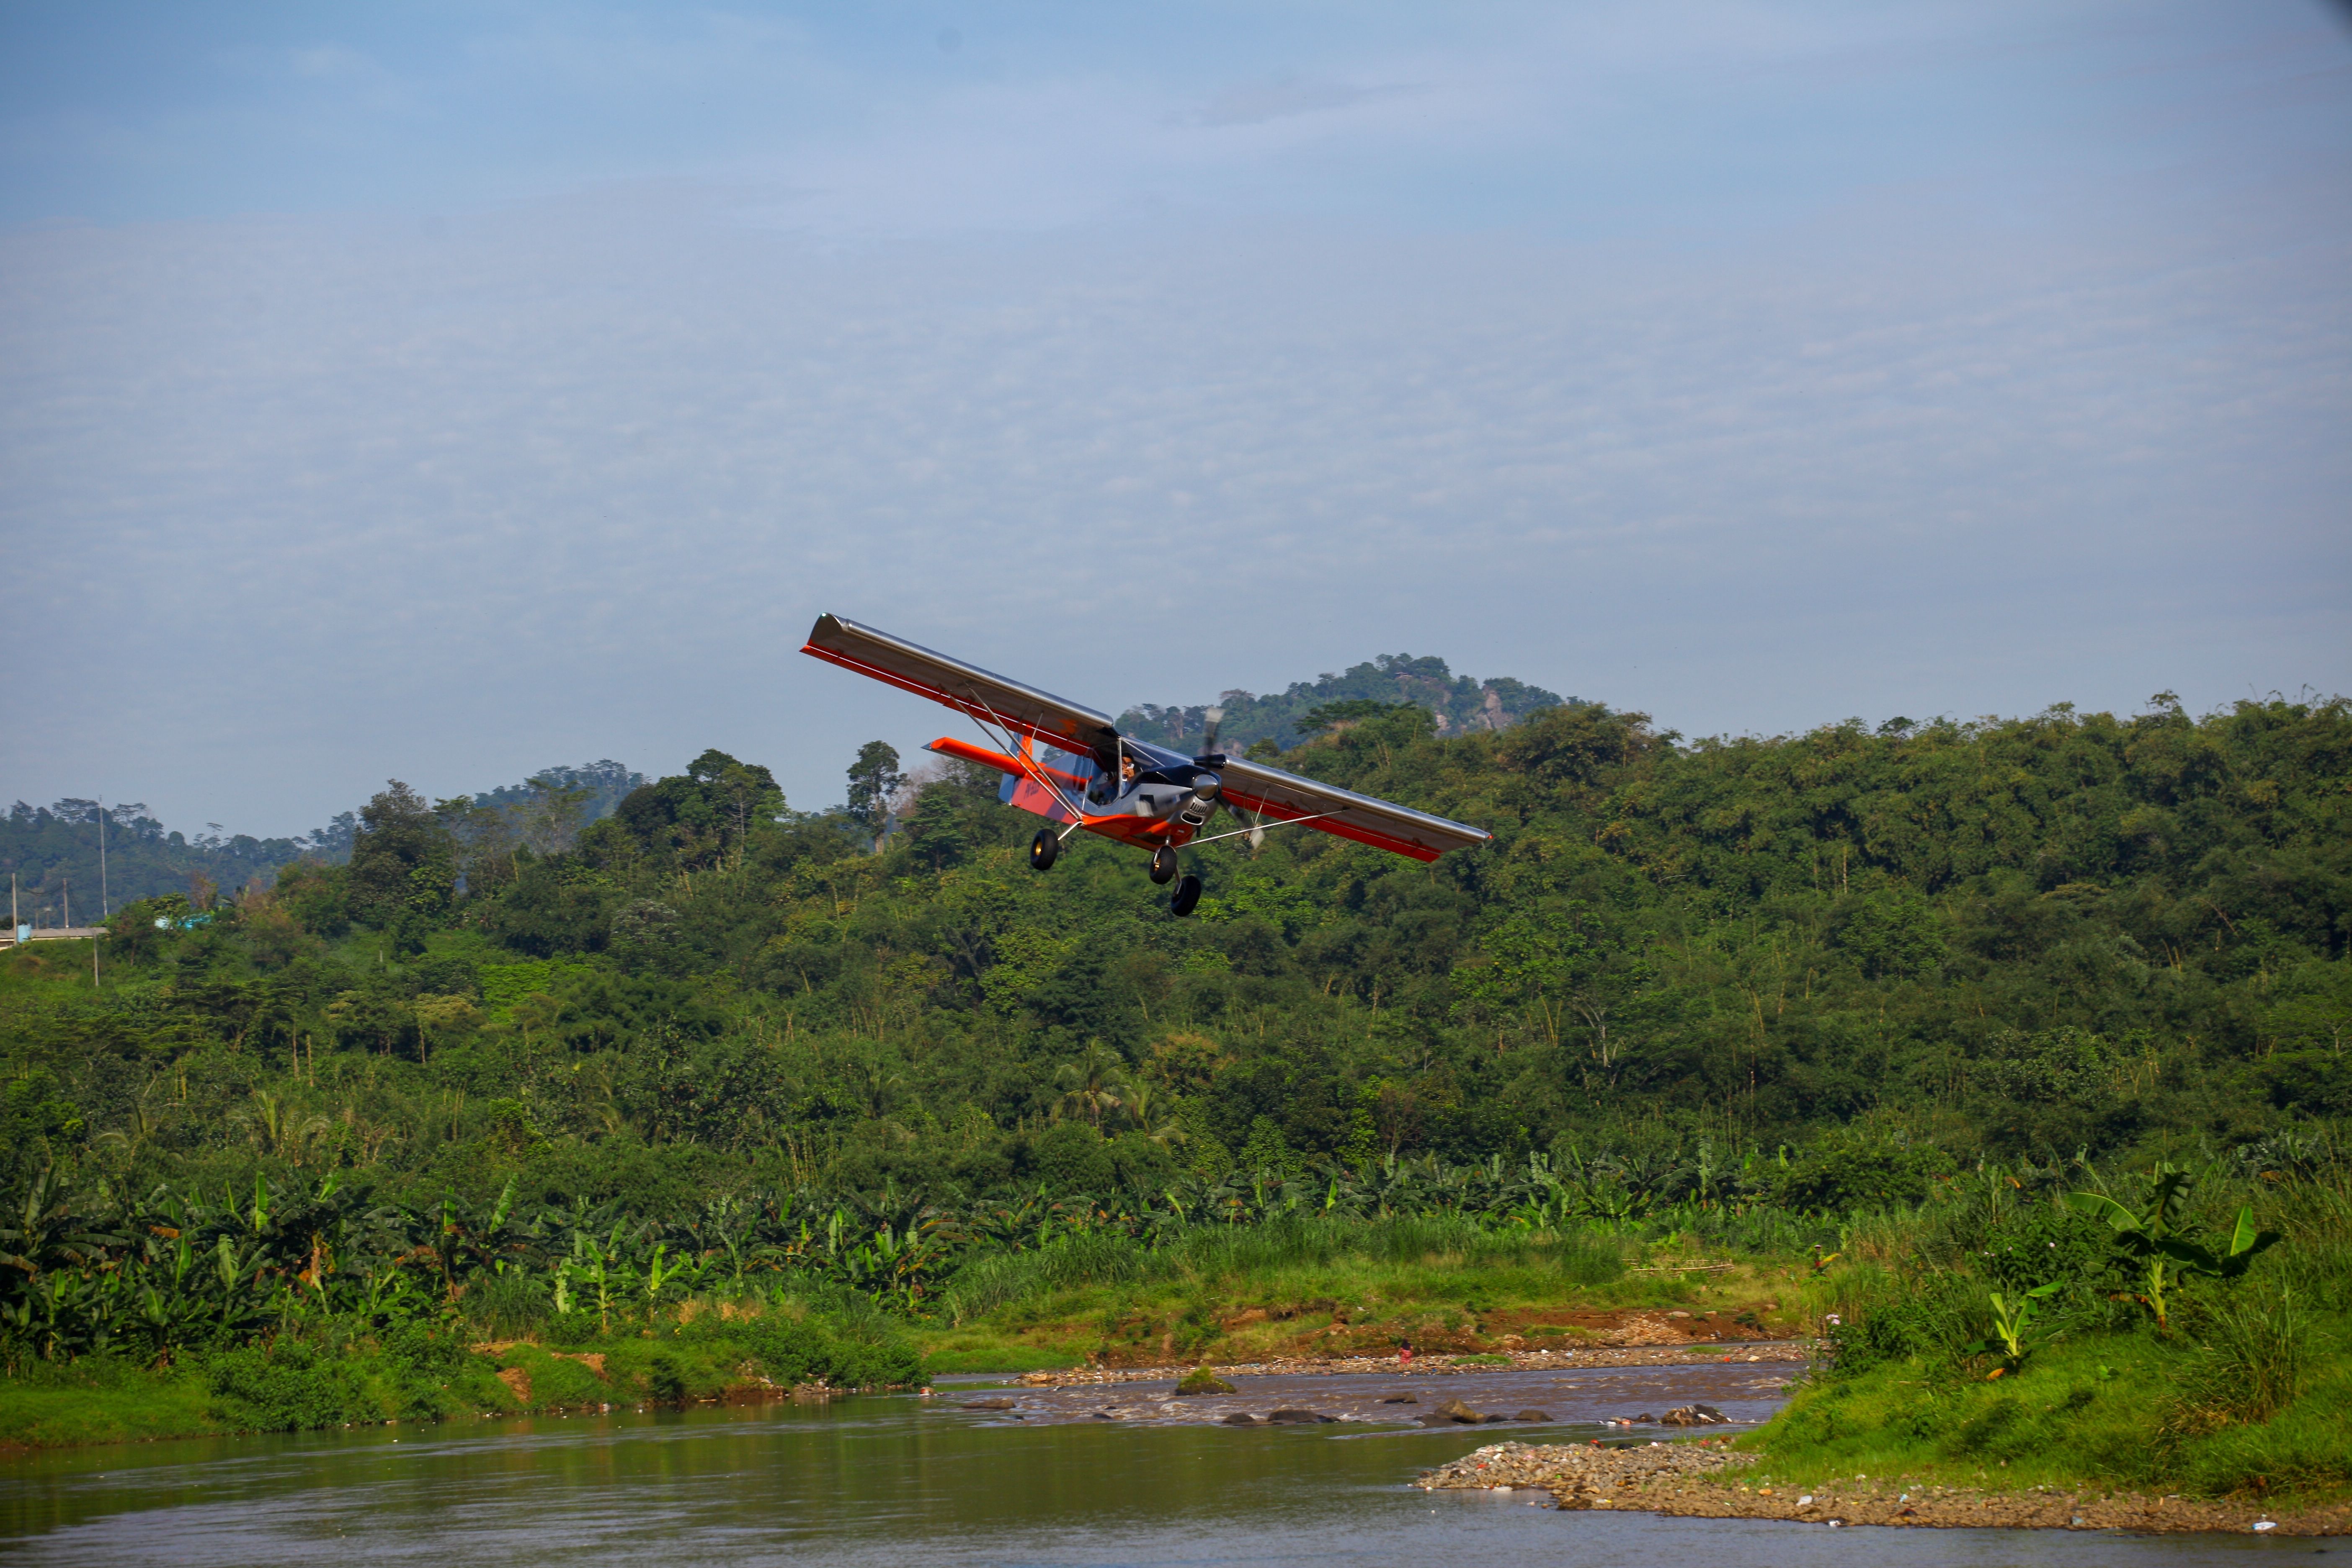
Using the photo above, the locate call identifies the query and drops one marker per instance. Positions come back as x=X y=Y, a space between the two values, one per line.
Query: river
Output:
x=1113 y=1474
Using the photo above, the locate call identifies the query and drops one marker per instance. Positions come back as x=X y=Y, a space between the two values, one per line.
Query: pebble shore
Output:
x=1705 y=1479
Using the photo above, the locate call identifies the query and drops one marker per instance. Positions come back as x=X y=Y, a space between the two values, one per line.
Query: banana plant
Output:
x=169 y=1310
x=49 y=1230
x=599 y=1265
x=662 y=1272
x=2149 y=1237
x=463 y=1242
x=2013 y=1320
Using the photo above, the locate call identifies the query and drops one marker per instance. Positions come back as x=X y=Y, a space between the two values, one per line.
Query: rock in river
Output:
x=1298 y=1418
x=1695 y=1415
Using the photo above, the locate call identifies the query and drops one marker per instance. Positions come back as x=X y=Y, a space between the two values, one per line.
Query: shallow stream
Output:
x=898 y=1479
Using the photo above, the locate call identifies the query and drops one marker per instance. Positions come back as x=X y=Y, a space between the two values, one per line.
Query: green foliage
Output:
x=2151 y=1235
x=1859 y=1169
x=1201 y=1380
x=402 y=872
x=703 y=816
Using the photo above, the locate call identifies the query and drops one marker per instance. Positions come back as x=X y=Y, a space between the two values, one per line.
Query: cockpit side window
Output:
x=1074 y=772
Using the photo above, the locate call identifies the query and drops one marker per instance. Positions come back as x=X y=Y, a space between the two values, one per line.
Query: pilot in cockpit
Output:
x=1102 y=790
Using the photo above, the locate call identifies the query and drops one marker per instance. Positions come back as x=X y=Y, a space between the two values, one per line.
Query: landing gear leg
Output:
x=1163 y=864
x=1043 y=850
x=1188 y=894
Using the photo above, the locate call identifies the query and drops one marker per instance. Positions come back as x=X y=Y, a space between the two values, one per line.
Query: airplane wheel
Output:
x=1043 y=850
x=1163 y=864
x=1188 y=893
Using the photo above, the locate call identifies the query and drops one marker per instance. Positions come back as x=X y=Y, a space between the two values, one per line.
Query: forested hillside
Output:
x=1830 y=964
x=1457 y=705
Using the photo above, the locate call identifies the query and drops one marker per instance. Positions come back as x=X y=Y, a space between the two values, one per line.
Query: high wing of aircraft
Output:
x=1070 y=765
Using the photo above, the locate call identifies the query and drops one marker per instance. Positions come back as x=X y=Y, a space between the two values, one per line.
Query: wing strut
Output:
x=1257 y=830
x=1017 y=748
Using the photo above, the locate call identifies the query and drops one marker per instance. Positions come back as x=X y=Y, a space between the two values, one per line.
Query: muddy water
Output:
x=894 y=1480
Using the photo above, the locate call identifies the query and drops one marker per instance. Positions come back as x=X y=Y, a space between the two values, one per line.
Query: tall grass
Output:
x=1209 y=1255
x=2256 y=1347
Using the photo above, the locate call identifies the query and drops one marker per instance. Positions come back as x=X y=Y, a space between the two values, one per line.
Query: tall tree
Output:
x=874 y=778
x=400 y=858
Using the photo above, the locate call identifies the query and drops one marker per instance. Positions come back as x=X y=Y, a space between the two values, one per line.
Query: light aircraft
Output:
x=1071 y=766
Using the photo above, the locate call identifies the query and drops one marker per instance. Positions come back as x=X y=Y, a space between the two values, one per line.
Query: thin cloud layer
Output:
x=1090 y=378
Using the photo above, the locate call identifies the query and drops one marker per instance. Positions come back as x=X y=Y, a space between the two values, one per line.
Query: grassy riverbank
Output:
x=2241 y=1389
x=2124 y=1412
x=1314 y=1288
x=427 y=1372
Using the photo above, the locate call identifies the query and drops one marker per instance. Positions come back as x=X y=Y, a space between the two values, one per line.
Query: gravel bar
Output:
x=1703 y=1478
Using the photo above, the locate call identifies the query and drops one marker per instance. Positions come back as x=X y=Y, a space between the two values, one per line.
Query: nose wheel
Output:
x=1163 y=864
x=1043 y=850
x=1187 y=895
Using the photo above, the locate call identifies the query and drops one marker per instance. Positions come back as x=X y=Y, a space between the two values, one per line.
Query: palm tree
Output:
x=1095 y=1083
x=1148 y=1108
x=536 y=1011
x=276 y=1127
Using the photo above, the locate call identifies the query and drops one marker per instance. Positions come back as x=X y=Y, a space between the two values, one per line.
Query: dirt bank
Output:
x=1435 y=1366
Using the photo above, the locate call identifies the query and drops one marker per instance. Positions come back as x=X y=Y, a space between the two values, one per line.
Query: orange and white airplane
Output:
x=1071 y=766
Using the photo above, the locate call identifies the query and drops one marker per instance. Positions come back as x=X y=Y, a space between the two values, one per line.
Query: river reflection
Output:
x=895 y=1478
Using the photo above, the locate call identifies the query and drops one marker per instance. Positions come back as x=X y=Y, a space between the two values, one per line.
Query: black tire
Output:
x=1043 y=850
x=1188 y=894
x=1163 y=864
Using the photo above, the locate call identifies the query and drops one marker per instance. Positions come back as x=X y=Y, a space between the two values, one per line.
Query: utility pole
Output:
x=65 y=888
x=105 y=904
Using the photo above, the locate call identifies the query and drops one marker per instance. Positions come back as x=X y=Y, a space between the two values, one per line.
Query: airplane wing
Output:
x=992 y=698
x=1286 y=797
x=1268 y=792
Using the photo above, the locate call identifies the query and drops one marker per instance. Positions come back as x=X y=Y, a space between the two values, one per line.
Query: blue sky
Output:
x=449 y=392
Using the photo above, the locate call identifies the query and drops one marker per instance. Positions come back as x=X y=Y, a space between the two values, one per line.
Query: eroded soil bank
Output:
x=1678 y=1355
x=1704 y=1478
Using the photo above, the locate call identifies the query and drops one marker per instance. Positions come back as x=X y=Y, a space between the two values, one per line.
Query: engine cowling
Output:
x=1203 y=801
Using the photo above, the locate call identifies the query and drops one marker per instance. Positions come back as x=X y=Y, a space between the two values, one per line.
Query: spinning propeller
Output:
x=1210 y=756
x=1207 y=790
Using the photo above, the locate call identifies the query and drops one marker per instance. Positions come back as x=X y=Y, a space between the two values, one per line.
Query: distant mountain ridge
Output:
x=1461 y=705
x=52 y=846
